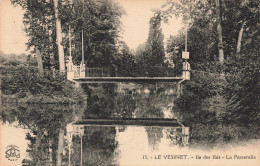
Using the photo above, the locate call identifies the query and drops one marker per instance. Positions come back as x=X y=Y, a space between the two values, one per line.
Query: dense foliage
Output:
x=150 y=56
x=99 y=21
x=40 y=26
x=20 y=82
x=221 y=100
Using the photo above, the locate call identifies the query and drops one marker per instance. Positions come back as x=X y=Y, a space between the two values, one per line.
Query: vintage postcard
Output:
x=129 y=83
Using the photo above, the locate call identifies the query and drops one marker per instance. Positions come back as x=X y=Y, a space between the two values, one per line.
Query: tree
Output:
x=155 y=40
x=239 y=18
x=125 y=61
x=39 y=61
x=199 y=15
x=228 y=104
x=150 y=55
x=100 y=21
x=39 y=24
x=219 y=29
x=59 y=37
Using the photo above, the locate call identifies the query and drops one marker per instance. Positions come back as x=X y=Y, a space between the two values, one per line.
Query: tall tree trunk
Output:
x=59 y=37
x=37 y=145
x=39 y=61
x=38 y=139
x=239 y=40
x=52 y=65
x=219 y=29
x=0 y=90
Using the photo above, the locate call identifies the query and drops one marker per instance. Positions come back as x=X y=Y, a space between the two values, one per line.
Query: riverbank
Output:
x=41 y=99
x=21 y=82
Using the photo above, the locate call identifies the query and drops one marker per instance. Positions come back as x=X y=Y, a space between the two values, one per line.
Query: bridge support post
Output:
x=70 y=71
x=60 y=148
x=186 y=70
x=186 y=64
x=185 y=135
x=82 y=73
x=179 y=89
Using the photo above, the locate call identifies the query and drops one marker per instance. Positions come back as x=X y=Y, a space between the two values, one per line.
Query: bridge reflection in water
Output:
x=113 y=141
x=133 y=120
x=125 y=121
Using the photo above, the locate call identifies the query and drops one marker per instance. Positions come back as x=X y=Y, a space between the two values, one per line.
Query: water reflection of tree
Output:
x=125 y=106
x=174 y=134
x=44 y=123
x=154 y=136
x=99 y=146
x=101 y=100
x=207 y=130
x=105 y=102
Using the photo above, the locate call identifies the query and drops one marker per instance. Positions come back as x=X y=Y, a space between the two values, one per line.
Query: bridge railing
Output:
x=76 y=70
x=97 y=72
x=204 y=74
x=82 y=71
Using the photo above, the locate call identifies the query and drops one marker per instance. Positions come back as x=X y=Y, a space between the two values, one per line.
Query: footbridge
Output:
x=82 y=74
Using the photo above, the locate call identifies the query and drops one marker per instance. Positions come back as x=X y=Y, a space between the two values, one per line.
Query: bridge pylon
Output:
x=82 y=73
x=70 y=69
x=185 y=66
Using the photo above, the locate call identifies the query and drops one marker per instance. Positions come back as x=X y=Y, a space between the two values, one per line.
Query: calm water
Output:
x=104 y=145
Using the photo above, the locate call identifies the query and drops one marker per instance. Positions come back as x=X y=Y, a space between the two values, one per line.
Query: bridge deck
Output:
x=130 y=122
x=126 y=79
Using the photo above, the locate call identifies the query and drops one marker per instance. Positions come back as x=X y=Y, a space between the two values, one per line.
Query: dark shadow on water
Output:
x=43 y=123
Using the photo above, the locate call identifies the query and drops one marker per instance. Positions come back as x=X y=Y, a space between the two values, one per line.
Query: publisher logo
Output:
x=12 y=152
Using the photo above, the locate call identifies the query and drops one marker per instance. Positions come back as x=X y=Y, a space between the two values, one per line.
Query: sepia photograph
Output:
x=129 y=82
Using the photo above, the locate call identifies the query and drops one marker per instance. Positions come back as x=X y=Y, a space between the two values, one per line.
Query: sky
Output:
x=12 y=36
x=136 y=21
x=135 y=24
